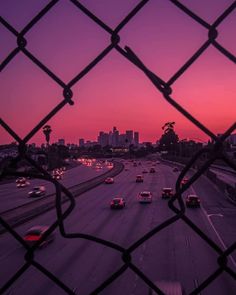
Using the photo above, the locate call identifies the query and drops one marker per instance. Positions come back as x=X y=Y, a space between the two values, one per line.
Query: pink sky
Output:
x=115 y=92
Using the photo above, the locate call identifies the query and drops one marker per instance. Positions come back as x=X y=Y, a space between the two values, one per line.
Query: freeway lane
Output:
x=176 y=253
x=11 y=196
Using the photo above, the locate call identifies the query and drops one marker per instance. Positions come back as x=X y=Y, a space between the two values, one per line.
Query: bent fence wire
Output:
x=165 y=87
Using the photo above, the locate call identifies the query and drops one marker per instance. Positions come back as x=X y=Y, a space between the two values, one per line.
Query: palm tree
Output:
x=168 y=127
x=47 y=130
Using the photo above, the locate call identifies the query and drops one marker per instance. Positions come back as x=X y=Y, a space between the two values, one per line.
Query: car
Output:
x=175 y=169
x=21 y=182
x=145 y=197
x=34 y=234
x=37 y=191
x=184 y=180
x=168 y=288
x=152 y=170
x=139 y=178
x=57 y=176
x=139 y=163
x=144 y=171
x=109 y=180
x=135 y=164
x=167 y=192
x=117 y=203
x=192 y=201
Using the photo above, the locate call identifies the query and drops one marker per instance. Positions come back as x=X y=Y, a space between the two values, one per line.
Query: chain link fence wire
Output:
x=176 y=204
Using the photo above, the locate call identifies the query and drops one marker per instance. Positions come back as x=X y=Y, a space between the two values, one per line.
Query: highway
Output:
x=11 y=196
x=176 y=253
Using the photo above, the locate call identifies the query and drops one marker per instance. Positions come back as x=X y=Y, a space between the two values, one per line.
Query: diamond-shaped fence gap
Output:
x=180 y=255
x=206 y=79
x=226 y=31
x=115 y=11
x=25 y=11
x=66 y=47
x=208 y=15
x=28 y=82
x=84 y=262
x=123 y=94
x=165 y=45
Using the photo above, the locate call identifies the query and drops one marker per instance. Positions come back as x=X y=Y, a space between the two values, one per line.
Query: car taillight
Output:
x=32 y=238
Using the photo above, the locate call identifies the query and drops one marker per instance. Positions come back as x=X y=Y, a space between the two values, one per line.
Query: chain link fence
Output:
x=165 y=88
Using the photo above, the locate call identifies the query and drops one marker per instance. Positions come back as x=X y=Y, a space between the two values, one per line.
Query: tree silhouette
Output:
x=168 y=127
x=169 y=139
x=47 y=130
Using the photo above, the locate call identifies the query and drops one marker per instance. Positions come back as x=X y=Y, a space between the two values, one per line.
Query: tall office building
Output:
x=115 y=137
x=129 y=136
x=61 y=141
x=103 y=138
x=81 y=142
x=136 y=138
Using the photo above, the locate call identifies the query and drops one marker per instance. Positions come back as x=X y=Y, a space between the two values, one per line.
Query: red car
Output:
x=184 y=180
x=192 y=201
x=167 y=193
x=117 y=203
x=34 y=234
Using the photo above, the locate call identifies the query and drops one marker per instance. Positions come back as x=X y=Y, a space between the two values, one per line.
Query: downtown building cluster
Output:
x=116 y=139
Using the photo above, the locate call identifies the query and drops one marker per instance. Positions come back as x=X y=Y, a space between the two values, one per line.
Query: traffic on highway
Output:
x=122 y=209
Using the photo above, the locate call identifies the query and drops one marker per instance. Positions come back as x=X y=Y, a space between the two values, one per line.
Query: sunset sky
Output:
x=115 y=92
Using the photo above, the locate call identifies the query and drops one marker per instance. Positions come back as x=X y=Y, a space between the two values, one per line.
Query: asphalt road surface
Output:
x=176 y=253
x=11 y=196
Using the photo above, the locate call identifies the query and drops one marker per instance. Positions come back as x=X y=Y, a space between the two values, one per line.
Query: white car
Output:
x=109 y=180
x=145 y=197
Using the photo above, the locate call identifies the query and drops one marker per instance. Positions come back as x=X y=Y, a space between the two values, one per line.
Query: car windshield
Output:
x=34 y=232
x=116 y=201
x=167 y=190
x=193 y=198
x=36 y=188
x=145 y=194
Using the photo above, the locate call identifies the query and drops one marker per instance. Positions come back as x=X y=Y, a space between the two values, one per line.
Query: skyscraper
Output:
x=136 y=138
x=129 y=136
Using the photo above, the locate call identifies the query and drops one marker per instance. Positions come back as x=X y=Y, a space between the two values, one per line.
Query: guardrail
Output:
x=26 y=212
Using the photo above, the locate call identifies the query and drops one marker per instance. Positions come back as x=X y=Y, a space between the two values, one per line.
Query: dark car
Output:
x=152 y=170
x=34 y=234
x=192 y=201
x=37 y=191
x=167 y=192
x=144 y=171
x=139 y=178
x=175 y=169
x=117 y=203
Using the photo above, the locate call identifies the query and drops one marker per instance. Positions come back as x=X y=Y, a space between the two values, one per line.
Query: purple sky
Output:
x=115 y=92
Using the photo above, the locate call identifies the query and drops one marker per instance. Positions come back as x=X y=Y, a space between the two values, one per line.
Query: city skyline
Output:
x=115 y=92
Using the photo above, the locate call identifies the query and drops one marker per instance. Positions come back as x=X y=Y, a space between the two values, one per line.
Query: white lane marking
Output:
x=214 y=229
